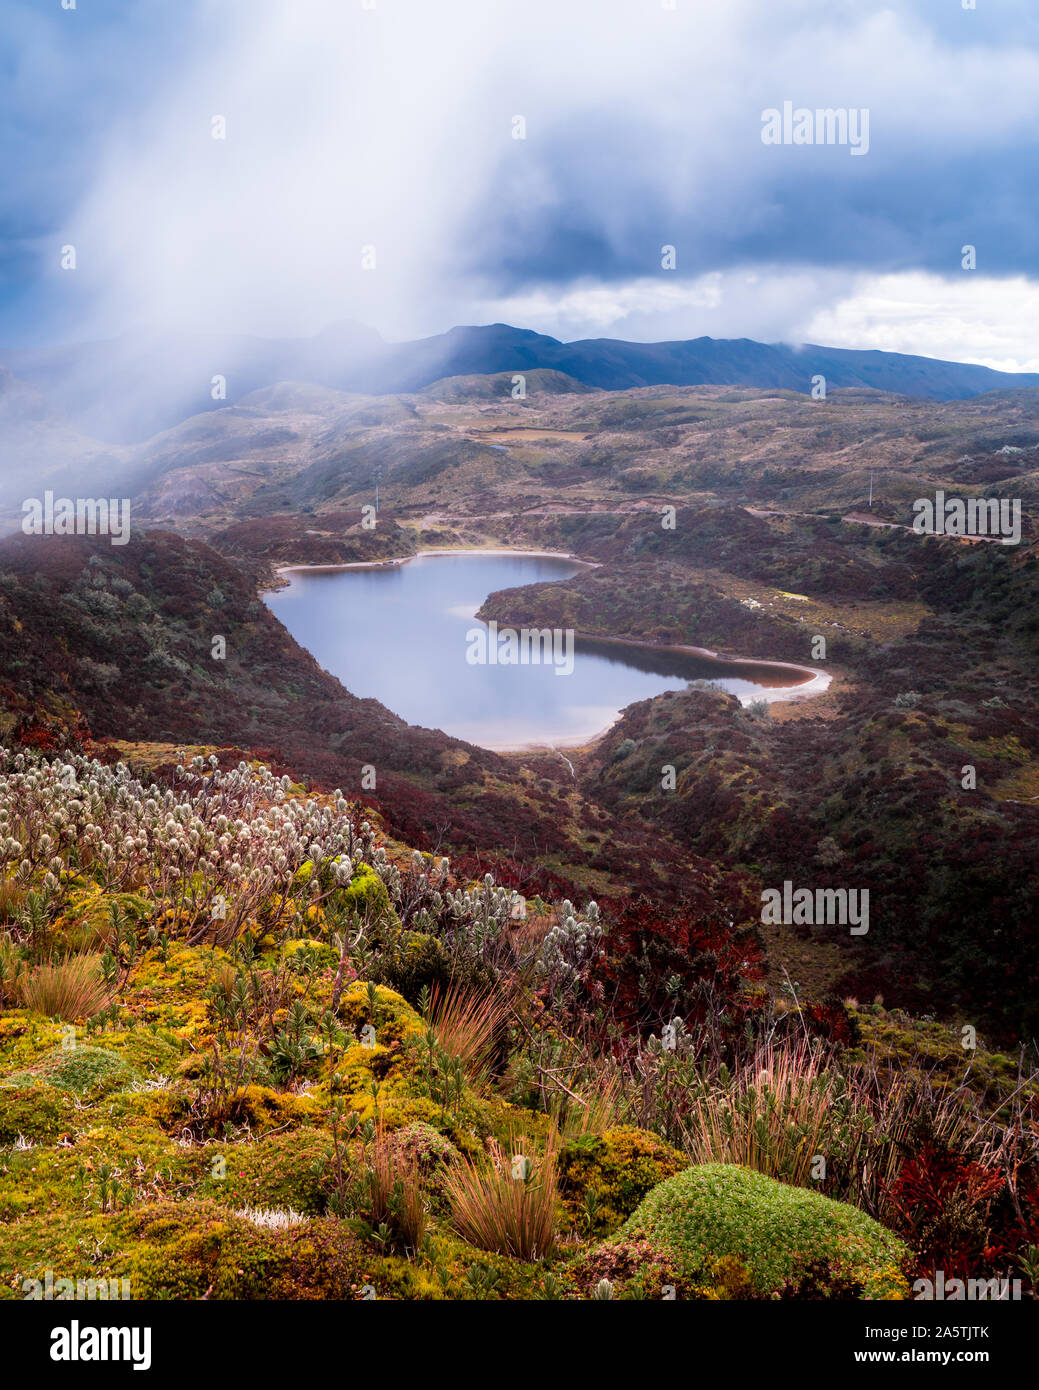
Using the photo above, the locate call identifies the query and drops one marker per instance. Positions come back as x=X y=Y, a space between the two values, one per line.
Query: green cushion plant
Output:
x=778 y=1232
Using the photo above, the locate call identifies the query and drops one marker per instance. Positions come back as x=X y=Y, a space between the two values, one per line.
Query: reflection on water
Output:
x=399 y=634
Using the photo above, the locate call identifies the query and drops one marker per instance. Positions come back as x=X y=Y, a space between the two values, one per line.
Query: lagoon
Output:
x=404 y=634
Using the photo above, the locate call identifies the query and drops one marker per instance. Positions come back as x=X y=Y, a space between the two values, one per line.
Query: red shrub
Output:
x=940 y=1204
x=656 y=964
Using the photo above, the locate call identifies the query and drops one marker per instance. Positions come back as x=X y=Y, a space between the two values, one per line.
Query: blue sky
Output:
x=392 y=127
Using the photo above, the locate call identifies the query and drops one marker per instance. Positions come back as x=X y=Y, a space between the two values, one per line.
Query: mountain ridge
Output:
x=164 y=378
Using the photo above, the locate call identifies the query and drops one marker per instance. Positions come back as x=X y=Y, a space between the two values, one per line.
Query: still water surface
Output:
x=400 y=634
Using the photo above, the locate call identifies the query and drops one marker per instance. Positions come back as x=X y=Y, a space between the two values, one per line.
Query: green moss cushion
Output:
x=778 y=1232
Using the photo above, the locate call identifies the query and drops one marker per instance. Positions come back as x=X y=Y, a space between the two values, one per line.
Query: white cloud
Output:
x=759 y=302
x=391 y=127
x=973 y=318
x=591 y=309
x=970 y=319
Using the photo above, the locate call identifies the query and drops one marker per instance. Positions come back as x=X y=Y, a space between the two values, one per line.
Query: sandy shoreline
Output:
x=546 y=746
x=447 y=550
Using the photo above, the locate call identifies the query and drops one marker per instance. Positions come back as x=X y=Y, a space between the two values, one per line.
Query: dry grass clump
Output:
x=11 y=967
x=71 y=989
x=507 y=1204
x=391 y=1194
x=589 y=1106
x=773 y=1115
x=11 y=899
x=469 y=1024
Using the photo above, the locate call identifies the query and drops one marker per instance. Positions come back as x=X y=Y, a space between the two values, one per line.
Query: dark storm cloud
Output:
x=393 y=127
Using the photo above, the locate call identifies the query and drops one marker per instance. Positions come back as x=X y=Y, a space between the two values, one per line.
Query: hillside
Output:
x=458 y=453
x=252 y=1049
x=869 y=787
x=370 y=1000
x=464 y=447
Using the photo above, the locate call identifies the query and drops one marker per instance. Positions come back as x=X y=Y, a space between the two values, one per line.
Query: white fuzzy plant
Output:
x=219 y=845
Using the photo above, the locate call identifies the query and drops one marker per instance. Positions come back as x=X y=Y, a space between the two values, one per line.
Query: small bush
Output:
x=655 y=963
x=417 y=961
x=603 y=1179
x=280 y=1170
x=634 y=1268
x=194 y=1249
x=427 y=1147
x=38 y=1113
x=941 y=1202
x=81 y=1069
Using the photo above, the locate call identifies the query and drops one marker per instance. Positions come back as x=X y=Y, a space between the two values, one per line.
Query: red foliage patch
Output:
x=940 y=1203
x=657 y=964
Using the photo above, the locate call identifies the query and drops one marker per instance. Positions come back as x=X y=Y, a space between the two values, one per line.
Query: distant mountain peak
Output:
x=129 y=388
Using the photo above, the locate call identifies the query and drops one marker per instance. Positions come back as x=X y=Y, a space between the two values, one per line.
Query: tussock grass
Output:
x=11 y=899
x=508 y=1204
x=468 y=1025
x=790 y=1104
x=10 y=968
x=773 y=1115
x=69 y=990
x=391 y=1193
x=591 y=1108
